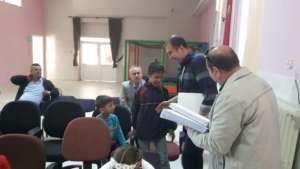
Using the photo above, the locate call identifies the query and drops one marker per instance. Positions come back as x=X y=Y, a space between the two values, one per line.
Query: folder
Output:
x=186 y=117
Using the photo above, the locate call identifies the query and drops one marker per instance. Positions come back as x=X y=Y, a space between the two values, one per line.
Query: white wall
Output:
x=143 y=19
x=94 y=28
x=280 y=43
x=148 y=55
x=59 y=40
x=272 y=40
x=18 y=25
x=122 y=8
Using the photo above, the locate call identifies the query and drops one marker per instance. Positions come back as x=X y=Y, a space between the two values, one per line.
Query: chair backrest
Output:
x=19 y=117
x=58 y=115
x=23 y=151
x=153 y=158
x=116 y=100
x=124 y=117
x=87 y=104
x=86 y=139
x=4 y=164
x=173 y=151
x=45 y=105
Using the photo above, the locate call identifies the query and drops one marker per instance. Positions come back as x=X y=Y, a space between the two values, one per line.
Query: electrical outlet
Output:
x=290 y=64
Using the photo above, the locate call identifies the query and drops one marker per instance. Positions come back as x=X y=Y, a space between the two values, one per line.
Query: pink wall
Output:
x=206 y=29
x=17 y=25
x=280 y=37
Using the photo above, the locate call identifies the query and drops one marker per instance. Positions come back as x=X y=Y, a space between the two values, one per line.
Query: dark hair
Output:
x=155 y=68
x=222 y=60
x=102 y=101
x=36 y=64
x=127 y=154
x=177 y=41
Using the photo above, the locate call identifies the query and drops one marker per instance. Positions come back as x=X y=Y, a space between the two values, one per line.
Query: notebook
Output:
x=183 y=116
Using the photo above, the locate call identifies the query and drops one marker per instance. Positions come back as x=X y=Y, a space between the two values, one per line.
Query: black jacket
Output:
x=22 y=81
x=193 y=77
x=146 y=121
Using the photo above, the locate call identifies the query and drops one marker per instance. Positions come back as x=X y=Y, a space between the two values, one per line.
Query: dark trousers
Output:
x=191 y=156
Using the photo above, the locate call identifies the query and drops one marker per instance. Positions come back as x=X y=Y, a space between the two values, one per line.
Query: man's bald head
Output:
x=135 y=74
x=223 y=58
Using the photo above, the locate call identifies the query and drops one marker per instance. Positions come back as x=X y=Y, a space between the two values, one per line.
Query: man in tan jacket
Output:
x=244 y=128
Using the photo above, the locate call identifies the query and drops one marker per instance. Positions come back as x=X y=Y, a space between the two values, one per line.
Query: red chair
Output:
x=87 y=140
x=4 y=164
x=23 y=151
x=173 y=151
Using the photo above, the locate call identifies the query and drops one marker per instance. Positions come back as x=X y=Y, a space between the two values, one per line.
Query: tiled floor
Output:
x=88 y=90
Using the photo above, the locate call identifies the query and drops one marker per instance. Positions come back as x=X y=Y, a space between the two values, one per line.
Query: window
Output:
x=242 y=34
x=99 y=40
x=38 y=50
x=95 y=51
x=89 y=53
x=14 y=2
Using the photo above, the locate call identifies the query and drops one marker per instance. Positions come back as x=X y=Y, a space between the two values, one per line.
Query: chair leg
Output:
x=59 y=165
x=55 y=166
x=87 y=165
x=98 y=163
x=72 y=166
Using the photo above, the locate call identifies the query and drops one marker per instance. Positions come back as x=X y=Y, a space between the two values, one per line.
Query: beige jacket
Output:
x=244 y=128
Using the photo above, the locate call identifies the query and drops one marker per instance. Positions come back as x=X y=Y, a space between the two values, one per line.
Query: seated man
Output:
x=33 y=87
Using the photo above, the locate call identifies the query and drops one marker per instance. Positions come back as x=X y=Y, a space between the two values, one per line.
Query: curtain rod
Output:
x=96 y=17
x=106 y=17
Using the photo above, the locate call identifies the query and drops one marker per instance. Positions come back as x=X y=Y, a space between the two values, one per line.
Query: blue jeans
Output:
x=161 y=149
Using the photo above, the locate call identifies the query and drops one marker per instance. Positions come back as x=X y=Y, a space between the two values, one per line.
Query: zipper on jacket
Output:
x=181 y=78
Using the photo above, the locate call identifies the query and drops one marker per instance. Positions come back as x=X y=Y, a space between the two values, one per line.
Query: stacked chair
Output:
x=57 y=117
x=87 y=140
x=23 y=151
x=22 y=117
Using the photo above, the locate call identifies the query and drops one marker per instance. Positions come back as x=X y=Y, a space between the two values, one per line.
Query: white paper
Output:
x=189 y=114
x=180 y=118
x=191 y=101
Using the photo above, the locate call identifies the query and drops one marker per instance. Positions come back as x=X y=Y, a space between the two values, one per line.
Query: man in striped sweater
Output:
x=193 y=77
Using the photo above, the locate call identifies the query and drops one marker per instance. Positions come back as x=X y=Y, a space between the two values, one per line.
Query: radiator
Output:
x=289 y=132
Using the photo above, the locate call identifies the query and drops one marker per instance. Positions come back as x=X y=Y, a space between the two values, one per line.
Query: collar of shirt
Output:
x=186 y=59
x=222 y=86
x=134 y=85
x=37 y=81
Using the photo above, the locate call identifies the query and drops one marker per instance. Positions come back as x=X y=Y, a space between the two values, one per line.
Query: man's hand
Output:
x=152 y=147
x=161 y=106
x=29 y=77
x=131 y=134
x=172 y=134
x=205 y=114
x=46 y=93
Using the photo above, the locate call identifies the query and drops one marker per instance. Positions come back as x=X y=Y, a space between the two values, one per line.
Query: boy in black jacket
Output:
x=149 y=127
